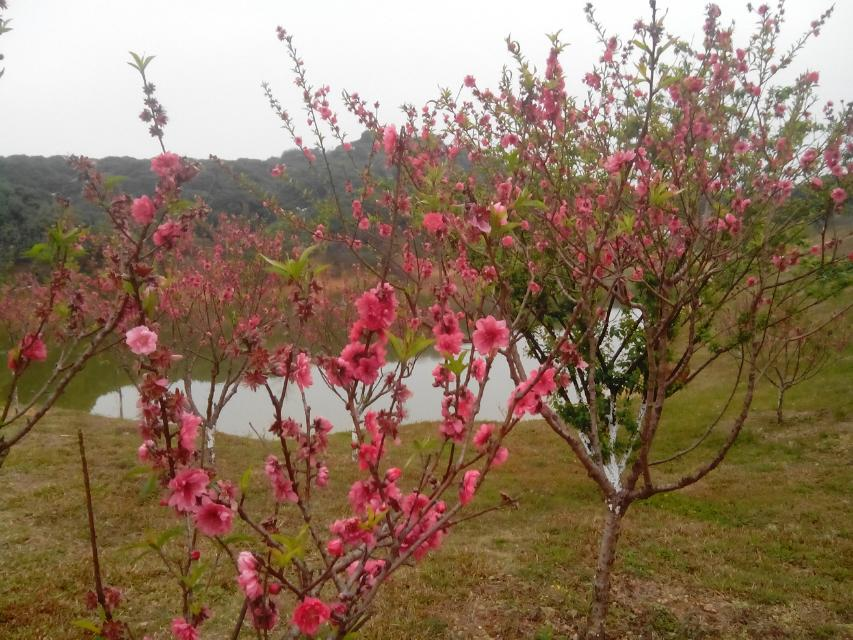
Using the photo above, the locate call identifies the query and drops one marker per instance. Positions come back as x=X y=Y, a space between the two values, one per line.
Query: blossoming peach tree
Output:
x=631 y=237
x=324 y=576
x=217 y=304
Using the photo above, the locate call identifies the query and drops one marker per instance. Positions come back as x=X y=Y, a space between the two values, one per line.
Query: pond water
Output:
x=250 y=411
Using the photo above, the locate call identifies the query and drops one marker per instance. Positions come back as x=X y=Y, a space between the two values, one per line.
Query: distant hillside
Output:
x=28 y=185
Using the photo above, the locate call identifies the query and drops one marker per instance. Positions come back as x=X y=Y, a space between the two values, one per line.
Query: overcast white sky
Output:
x=67 y=88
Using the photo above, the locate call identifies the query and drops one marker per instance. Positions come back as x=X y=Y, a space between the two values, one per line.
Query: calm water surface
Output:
x=252 y=409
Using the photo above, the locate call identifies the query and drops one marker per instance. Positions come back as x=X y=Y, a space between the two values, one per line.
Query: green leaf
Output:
x=398 y=346
x=127 y=287
x=410 y=346
x=641 y=45
x=423 y=444
x=294 y=547
x=660 y=195
x=139 y=62
x=245 y=479
x=149 y=305
x=179 y=206
x=191 y=579
x=286 y=269
x=88 y=625
x=40 y=251
x=419 y=345
x=149 y=488
x=524 y=203
x=373 y=518
x=456 y=365
x=296 y=270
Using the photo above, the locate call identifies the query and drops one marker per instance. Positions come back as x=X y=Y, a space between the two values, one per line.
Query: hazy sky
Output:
x=67 y=88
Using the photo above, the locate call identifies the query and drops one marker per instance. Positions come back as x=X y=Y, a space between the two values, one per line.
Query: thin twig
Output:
x=96 y=565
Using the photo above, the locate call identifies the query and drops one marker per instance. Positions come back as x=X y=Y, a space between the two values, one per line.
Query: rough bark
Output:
x=601 y=587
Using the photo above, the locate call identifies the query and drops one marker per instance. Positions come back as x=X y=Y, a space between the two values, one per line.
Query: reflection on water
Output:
x=248 y=409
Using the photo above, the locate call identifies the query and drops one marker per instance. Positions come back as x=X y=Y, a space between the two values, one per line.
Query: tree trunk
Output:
x=209 y=453
x=601 y=587
x=780 y=398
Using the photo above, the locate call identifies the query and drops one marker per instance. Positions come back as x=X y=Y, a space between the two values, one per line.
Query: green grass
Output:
x=763 y=548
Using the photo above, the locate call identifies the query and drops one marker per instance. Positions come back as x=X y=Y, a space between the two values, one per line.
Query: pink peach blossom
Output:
x=247 y=567
x=183 y=630
x=187 y=487
x=448 y=337
x=142 y=210
x=33 y=348
x=389 y=140
x=322 y=476
x=469 y=486
x=166 y=165
x=484 y=433
x=434 y=222
x=376 y=308
x=167 y=233
x=141 y=340
x=501 y=456
x=310 y=615
x=490 y=335
x=189 y=430
x=531 y=392
x=694 y=84
x=282 y=487
x=303 y=371
x=214 y=519
x=478 y=370
x=741 y=147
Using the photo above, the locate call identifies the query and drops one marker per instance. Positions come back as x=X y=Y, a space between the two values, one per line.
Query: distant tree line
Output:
x=29 y=186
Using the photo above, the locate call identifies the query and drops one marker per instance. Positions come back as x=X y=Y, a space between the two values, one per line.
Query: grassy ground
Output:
x=761 y=549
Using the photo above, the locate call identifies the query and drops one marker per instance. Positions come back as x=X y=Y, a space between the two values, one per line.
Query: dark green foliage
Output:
x=29 y=185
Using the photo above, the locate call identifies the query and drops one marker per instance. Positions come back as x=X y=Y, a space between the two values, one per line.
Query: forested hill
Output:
x=28 y=185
